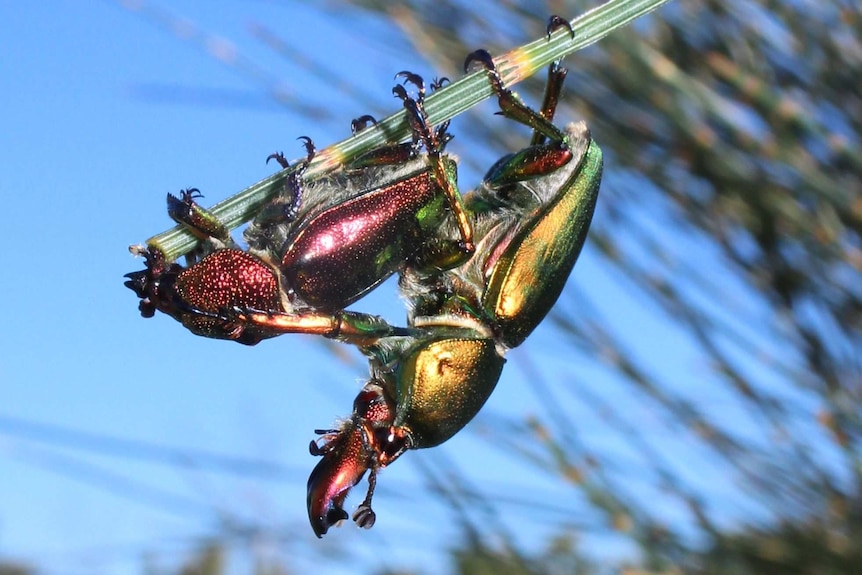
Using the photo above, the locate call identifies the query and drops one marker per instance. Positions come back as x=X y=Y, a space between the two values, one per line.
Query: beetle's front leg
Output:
x=198 y=220
x=444 y=173
x=285 y=207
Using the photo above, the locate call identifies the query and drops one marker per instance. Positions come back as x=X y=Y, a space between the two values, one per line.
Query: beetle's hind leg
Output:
x=549 y=147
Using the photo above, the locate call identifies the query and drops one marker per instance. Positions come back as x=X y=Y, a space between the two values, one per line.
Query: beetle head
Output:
x=148 y=283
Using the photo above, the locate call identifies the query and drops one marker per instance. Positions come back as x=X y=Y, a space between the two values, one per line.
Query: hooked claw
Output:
x=482 y=56
x=279 y=157
x=487 y=61
x=309 y=147
x=361 y=123
x=556 y=22
x=414 y=79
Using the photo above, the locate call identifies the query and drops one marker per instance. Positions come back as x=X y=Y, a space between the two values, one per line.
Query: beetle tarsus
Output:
x=189 y=195
x=557 y=22
x=414 y=79
x=293 y=184
x=511 y=105
x=438 y=83
x=484 y=58
x=361 y=123
x=278 y=157
x=309 y=148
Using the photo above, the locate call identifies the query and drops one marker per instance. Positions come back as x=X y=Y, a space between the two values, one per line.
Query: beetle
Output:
x=531 y=216
x=337 y=239
x=477 y=287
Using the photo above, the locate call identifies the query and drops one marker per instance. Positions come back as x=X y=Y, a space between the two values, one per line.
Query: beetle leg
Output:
x=442 y=135
x=433 y=141
x=295 y=180
x=286 y=206
x=438 y=83
x=416 y=116
x=511 y=105
x=542 y=157
x=351 y=327
x=279 y=157
x=362 y=122
x=416 y=80
x=553 y=87
x=199 y=221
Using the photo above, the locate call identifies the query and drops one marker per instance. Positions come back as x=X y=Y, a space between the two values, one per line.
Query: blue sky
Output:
x=103 y=114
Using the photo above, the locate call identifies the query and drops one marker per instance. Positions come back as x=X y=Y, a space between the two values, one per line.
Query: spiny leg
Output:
x=200 y=221
x=416 y=116
x=348 y=326
x=391 y=154
x=443 y=136
x=286 y=206
x=434 y=140
x=549 y=149
x=511 y=105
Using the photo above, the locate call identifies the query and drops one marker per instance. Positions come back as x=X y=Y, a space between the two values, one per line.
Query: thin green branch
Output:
x=442 y=105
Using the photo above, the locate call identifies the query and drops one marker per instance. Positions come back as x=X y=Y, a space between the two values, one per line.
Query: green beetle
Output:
x=477 y=284
x=531 y=217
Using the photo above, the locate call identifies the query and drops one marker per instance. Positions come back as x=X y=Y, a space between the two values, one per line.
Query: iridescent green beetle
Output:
x=528 y=220
x=531 y=217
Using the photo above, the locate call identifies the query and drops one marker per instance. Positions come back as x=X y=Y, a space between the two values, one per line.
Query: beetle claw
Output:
x=414 y=79
x=482 y=56
x=556 y=22
x=278 y=157
x=309 y=147
x=361 y=123
x=438 y=83
x=487 y=61
x=315 y=449
x=399 y=92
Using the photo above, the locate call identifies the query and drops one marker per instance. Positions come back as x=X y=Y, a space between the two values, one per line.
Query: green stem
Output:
x=442 y=105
